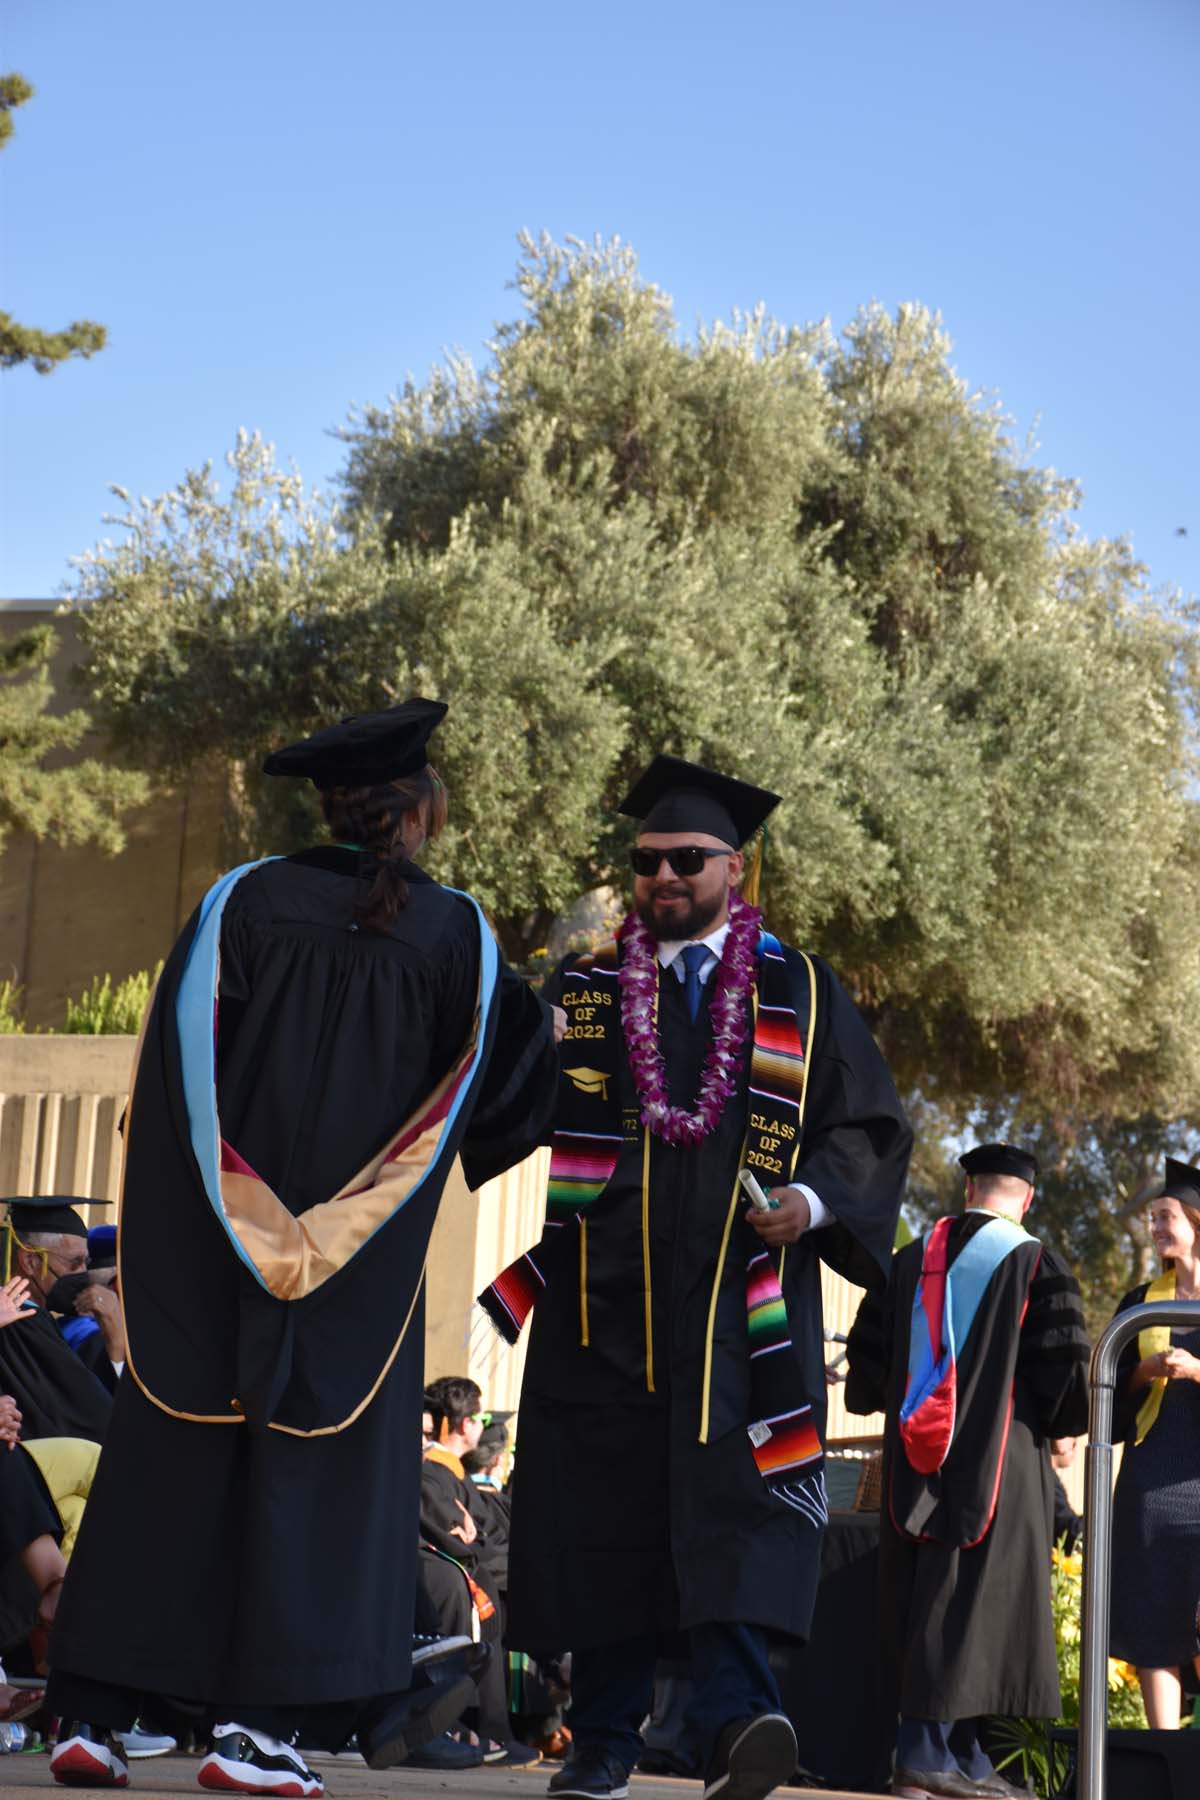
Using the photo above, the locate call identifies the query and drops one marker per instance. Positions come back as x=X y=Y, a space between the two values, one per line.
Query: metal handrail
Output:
x=1092 y=1783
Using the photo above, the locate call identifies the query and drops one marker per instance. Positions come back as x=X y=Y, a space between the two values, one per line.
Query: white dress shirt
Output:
x=668 y=956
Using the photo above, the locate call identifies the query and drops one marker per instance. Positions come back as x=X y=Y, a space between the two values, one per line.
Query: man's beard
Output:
x=691 y=921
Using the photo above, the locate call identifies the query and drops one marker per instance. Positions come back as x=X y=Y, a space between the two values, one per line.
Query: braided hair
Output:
x=373 y=819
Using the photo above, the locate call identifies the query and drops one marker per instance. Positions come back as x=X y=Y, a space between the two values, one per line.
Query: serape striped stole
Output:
x=591 y=1133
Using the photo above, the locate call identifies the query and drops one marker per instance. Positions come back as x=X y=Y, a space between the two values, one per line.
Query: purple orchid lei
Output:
x=722 y=1066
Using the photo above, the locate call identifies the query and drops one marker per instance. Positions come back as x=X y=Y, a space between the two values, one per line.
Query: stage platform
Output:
x=166 y=1777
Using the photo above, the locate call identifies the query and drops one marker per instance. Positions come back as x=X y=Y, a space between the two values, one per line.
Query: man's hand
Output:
x=10 y=1421
x=467 y=1531
x=102 y=1304
x=789 y=1220
x=560 y=1023
x=11 y=1296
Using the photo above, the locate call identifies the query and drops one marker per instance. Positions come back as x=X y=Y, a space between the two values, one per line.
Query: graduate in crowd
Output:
x=362 y=1030
x=458 y=1521
x=978 y=1356
x=669 y=1476
x=57 y=1363
x=1156 y=1507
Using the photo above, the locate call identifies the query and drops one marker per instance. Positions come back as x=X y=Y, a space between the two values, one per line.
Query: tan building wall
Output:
x=69 y=915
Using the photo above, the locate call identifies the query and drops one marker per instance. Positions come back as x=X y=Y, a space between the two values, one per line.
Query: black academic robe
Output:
x=444 y=1488
x=92 y=1352
x=968 y=1630
x=236 y=1562
x=59 y=1396
x=623 y=1522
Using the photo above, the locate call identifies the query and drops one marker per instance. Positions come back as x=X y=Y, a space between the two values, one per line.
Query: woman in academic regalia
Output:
x=249 y=1545
x=1156 y=1508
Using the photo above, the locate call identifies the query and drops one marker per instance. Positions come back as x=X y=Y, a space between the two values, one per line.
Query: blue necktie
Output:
x=693 y=957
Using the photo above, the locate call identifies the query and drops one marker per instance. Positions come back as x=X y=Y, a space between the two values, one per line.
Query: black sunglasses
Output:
x=688 y=859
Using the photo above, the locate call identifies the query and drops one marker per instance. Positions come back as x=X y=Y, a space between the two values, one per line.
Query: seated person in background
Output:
x=49 y=1245
x=457 y=1520
x=30 y=1532
x=485 y=1468
x=56 y=1394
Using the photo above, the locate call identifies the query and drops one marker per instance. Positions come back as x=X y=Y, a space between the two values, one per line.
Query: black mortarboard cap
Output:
x=674 y=795
x=1182 y=1183
x=49 y=1212
x=1001 y=1159
x=364 y=750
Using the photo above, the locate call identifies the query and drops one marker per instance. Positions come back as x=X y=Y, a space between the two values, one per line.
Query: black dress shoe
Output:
x=414 y=1719
x=752 y=1757
x=941 y=1784
x=590 y=1774
x=445 y=1754
x=1001 y=1788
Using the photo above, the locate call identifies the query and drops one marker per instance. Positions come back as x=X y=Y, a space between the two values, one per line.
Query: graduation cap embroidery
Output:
x=589 y=1081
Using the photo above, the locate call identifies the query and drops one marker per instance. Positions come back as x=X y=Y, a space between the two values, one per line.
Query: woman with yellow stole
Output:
x=1156 y=1520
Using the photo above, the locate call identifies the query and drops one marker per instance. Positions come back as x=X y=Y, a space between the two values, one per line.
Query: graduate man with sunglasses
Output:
x=669 y=1479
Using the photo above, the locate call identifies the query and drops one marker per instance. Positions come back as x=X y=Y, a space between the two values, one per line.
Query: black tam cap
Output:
x=674 y=795
x=1182 y=1183
x=49 y=1212
x=1001 y=1159
x=363 y=750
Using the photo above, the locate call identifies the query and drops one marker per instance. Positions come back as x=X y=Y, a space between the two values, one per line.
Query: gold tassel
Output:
x=752 y=880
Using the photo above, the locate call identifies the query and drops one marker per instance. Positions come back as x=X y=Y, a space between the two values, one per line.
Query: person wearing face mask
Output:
x=332 y=1029
x=49 y=1245
x=60 y=1393
x=1156 y=1507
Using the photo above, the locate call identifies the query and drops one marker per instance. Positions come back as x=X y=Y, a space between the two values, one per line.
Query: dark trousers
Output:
x=612 y=1688
x=941 y=1746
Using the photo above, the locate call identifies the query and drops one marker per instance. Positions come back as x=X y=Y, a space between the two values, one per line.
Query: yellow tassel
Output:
x=752 y=880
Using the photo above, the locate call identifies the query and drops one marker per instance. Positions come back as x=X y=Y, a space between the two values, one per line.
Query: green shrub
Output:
x=106 y=1009
x=11 y=1022
x=1024 y=1744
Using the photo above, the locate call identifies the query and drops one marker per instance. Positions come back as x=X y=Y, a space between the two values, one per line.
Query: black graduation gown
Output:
x=443 y=1489
x=57 y=1393
x=968 y=1631
x=93 y=1354
x=235 y=1563
x=622 y=1521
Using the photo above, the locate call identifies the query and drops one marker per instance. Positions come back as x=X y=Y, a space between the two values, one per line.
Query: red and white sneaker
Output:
x=244 y=1761
x=88 y=1756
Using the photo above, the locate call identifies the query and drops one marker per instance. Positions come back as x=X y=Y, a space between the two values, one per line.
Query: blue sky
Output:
x=281 y=207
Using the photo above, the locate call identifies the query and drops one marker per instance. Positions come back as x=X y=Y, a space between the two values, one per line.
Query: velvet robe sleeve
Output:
x=440 y=1489
x=869 y=1354
x=515 y=1109
x=1052 y=1361
x=857 y=1140
x=93 y=1354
